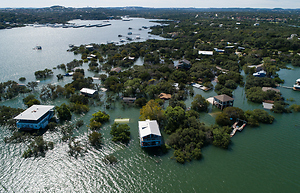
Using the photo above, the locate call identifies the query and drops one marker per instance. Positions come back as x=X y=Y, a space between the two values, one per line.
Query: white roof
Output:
x=267 y=105
x=206 y=52
x=148 y=127
x=88 y=90
x=34 y=112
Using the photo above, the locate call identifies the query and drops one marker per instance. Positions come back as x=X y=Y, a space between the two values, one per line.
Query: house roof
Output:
x=129 y=98
x=210 y=53
x=164 y=96
x=117 y=69
x=88 y=91
x=34 y=112
x=184 y=61
x=148 y=127
x=224 y=98
x=267 y=105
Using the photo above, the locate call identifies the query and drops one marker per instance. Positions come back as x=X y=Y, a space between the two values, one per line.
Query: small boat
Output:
x=129 y=33
x=119 y=35
x=297 y=85
x=69 y=74
x=38 y=48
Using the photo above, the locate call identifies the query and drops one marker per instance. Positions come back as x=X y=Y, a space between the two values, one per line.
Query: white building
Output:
x=35 y=117
x=149 y=133
x=88 y=91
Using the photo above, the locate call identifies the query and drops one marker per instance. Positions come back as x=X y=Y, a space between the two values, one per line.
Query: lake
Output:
x=261 y=159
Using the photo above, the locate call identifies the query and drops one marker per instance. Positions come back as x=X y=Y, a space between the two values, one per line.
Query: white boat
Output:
x=125 y=18
x=297 y=84
x=37 y=48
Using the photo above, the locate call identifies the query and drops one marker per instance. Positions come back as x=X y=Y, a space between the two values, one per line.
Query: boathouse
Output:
x=222 y=101
x=149 y=133
x=35 y=117
x=88 y=92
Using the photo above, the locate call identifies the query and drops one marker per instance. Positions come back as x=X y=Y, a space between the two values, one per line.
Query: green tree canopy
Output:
x=175 y=118
x=199 y=103
x=63 y=112
x=95 y=138
x=100 y=117
x=120 y=132
x=152 y=111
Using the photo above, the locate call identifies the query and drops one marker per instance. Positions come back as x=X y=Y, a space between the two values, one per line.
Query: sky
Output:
x=154 y=3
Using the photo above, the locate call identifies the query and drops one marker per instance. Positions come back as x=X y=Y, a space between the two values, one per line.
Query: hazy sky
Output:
x=155 y=3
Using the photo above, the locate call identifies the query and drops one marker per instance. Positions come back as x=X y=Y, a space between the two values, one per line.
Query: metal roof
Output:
x=34 y=112
x=88 y=91
x=224 y=98
x=148 y=127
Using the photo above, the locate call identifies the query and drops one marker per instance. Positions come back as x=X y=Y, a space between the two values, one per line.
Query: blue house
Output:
x=149 y=133
x=35 y=117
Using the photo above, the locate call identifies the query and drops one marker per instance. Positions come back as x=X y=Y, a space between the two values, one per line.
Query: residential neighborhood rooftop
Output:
x=148 y=127
x=34 y=112
x=88 y=91
x=224 y=98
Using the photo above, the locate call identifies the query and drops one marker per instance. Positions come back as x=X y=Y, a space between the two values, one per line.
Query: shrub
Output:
x=63 y=112
x=95 y=138
x=22 y=79
x=94 y=125
x=110 y=159
x=120 y=132
x=79 y=123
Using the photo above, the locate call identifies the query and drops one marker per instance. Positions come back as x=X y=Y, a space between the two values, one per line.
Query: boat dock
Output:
x=289 y=87
x=237 y=128
x=199 y=86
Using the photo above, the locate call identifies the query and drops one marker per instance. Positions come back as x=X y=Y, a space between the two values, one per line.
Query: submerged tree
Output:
x=120 y=132
x=152 y=111
x=95 y=138
x=63 y=112
x=199 y=103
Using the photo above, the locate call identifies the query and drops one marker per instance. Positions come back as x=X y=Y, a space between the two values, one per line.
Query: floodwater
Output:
x=262 y=159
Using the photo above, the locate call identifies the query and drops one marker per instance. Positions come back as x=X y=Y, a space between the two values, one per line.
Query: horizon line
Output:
x=148 y=7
